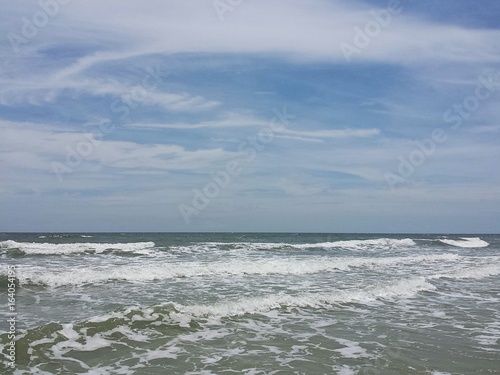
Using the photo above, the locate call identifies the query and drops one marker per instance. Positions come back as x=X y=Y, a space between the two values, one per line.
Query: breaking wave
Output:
x=149 y=272
x=34 y=248
x=376 y=244
x=468 y=242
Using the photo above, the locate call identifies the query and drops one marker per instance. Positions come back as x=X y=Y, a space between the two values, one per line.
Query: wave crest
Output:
x=467 y=242
x=375 y=244
x=137 y=273
x=34 y=248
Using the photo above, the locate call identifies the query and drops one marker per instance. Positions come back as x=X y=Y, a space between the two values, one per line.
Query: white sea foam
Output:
x=489 y=339
x=351 y=349
x=184 y=314
x=147 y=272
x=170 y=353
x=90 y=343
x=475 y=272
x=257 y=305
x=344 y=370
x=469 y=242
x=212 y=246
x=362 y=244
x=378 y=243
x=72 y=248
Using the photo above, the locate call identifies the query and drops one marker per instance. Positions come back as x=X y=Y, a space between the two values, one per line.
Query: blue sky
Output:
x=250 y=116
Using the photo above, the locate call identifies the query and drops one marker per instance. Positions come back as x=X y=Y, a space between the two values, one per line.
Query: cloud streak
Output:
x=184 y=91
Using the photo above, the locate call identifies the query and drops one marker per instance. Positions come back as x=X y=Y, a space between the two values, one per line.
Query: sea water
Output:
x=247 y=303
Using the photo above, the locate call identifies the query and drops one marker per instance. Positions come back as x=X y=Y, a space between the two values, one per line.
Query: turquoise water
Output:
x=147 y=303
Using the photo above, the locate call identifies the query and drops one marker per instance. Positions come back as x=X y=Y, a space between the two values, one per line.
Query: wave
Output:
x=469 y=242
x=34 y=248
x=153 y=272
x=141 y=324
x=379 y=243
x=471 y=273
x=183 y=314
x=258 y=305
x=363 y=244
x=60 y=235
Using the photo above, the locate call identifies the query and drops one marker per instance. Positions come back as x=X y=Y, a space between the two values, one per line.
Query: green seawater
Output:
x=247 y=303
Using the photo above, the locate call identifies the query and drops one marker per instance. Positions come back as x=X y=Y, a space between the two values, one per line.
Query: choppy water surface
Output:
x=149 y=303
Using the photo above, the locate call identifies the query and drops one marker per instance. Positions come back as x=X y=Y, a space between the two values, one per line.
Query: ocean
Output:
x=250 y=303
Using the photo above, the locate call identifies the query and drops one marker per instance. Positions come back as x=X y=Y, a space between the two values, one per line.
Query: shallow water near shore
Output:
x=215 y=303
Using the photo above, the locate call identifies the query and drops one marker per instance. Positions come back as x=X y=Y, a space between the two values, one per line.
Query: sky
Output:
x=239 y=115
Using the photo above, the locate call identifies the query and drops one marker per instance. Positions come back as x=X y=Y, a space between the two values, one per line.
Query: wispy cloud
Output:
x=33 y=146
x=225 y=120
x=333 y=133
x=161 y=29
x=216 y=86
x=47 y=91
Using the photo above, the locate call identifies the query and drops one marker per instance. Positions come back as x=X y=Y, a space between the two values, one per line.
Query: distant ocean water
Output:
x=214 y=303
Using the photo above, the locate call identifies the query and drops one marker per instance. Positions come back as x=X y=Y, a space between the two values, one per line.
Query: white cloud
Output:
x=295 y=29
x=38 y=91
x=333 y=133
x=225 y=120
x=235 y=119
x=32 y=146
x=128 y=35
x=301 y=139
